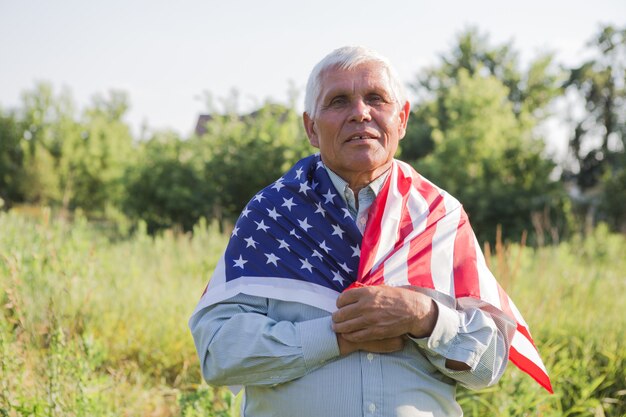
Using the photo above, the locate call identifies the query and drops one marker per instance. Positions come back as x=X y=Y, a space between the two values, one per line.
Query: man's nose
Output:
x=360 y=111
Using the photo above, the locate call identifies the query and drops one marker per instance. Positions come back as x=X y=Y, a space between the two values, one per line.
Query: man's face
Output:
x=358 y=123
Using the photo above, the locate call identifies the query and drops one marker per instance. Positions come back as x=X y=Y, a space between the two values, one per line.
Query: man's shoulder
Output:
x=423 y=184
x=294 y=184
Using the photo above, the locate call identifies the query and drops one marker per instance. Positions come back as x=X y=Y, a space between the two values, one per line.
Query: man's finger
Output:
x=350 y=297
x=348 y=312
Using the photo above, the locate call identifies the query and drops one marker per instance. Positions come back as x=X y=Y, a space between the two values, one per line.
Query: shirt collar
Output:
x=342 y=185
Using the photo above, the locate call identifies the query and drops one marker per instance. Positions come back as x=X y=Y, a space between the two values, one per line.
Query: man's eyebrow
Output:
x=334 y=94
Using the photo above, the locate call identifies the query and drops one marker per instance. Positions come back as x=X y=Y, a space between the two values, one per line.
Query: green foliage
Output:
x=50 y=155
x=91 y=327
x=203 y=402
x=11 y=157
x=613 y=198
x=598 y=142
x=94 y=166
x=165 y=188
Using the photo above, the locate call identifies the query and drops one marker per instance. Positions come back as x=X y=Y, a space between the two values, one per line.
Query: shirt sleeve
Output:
x=238 y=344
x=471 y=336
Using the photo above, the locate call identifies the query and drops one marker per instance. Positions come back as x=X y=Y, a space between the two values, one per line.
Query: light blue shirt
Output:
x=287 y=357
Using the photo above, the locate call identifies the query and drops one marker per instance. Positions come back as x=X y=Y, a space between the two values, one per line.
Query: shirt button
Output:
x=370 y=357
x=372 y=407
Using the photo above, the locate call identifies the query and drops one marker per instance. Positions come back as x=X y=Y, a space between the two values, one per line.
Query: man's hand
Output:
x=370 y=314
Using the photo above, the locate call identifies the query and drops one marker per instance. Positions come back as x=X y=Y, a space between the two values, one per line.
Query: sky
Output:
x=167 y=55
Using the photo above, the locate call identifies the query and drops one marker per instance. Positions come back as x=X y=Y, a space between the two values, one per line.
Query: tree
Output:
x=11 y=159
x=67 y=161
x=94 y=160
x=598 y=136
x=472 y=133
x=48 y=122
x=165 y=187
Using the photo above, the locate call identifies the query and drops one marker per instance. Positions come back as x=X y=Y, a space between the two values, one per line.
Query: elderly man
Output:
x=352 y=286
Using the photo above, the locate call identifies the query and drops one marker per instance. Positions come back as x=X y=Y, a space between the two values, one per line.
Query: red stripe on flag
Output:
x=529 y=367
x=466 y=278
x=373 y=228
x=406 y=222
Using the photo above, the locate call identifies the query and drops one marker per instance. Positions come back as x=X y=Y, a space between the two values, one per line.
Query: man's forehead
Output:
x=369 y=74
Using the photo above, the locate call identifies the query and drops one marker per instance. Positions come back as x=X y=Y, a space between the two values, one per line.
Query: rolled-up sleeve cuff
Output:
x=448 y=340
x=319 y=342
x=446 y=329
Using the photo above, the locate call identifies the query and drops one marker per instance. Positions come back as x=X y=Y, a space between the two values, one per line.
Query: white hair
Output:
x=347 y=58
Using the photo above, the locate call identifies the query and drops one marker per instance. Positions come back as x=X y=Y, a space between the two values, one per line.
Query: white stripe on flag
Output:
x=486 y=281
x=278 y=288
x=526 y=348
x=396 y=267
x=442 y=259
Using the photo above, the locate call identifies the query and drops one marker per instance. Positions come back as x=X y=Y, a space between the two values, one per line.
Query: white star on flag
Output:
x=317 y=254
x=344 y=266
x=288 y=202
x=323 y=246
x=273 y=214
x=259 y=197
x=250 y=242
x=235 y=230
x=278 y=184
x=240 y=262
x=298 y=173
x=261 y=225
x=245 y=212
x=337 y=277
x=337 y=231
x=329 y=197
x=283 y=245
x=306 y=265
x=356 y=251
x=320 y=210
x=304 y=187
x=304 y=224
x=272 y=259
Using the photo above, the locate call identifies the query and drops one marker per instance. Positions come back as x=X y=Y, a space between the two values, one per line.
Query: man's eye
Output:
x=375 y=99
x=338 y=101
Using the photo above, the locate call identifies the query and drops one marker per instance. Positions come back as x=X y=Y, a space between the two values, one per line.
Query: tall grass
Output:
x=573 y=297
x=91 y=326
x=88 y=324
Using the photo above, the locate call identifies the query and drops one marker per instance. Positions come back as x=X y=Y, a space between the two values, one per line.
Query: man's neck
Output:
x=359 y=180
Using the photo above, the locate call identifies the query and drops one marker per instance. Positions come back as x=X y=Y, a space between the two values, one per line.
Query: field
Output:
x=91 y=325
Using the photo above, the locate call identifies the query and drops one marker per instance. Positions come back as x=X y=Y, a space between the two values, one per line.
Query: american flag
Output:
x=296 y=241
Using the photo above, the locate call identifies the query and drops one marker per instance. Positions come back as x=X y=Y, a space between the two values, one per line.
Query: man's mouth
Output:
x=360 y=137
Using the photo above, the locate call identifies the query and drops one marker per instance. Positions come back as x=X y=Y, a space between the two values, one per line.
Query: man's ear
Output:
x=404 y=119
x=311 y=130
